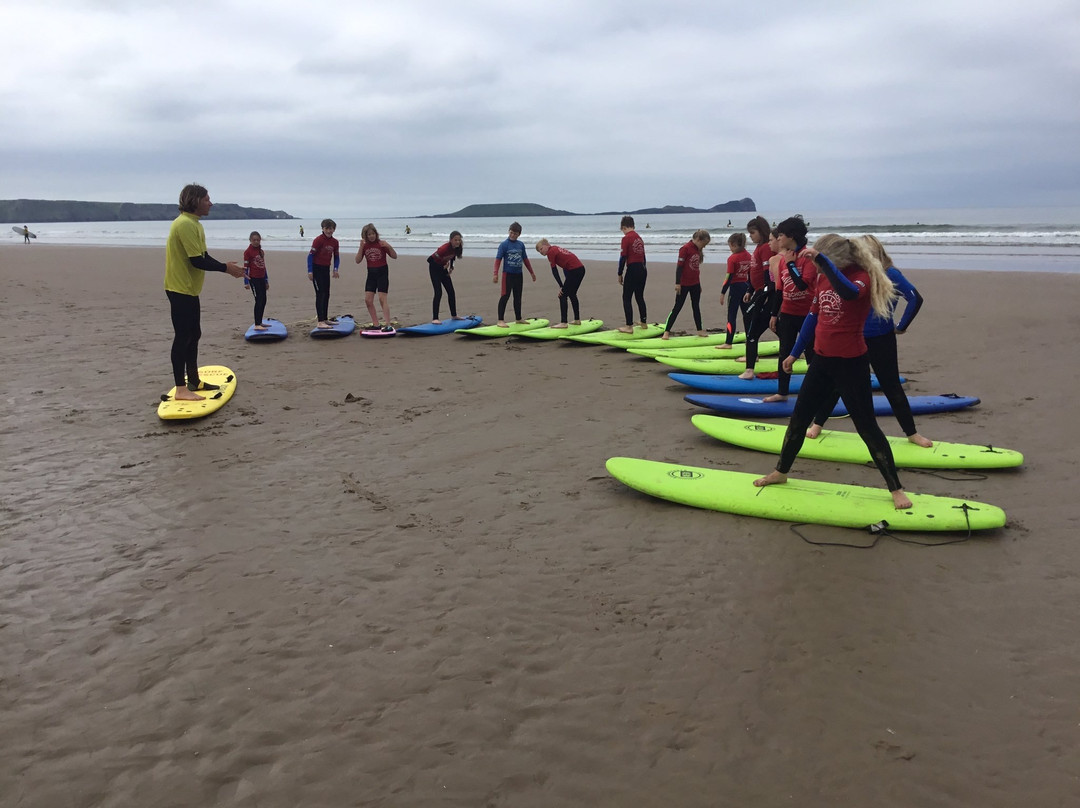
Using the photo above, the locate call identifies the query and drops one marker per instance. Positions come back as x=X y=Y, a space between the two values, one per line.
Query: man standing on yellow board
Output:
x=186 y=262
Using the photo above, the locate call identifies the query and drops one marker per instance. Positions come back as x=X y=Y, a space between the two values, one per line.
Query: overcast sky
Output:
x=407 y=107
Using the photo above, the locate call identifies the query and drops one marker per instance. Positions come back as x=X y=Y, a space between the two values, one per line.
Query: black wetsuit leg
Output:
x=320 y=279
x=634 y=289
x=258 y=290
x=570 y=287
x=187 y=330
x=883 y=359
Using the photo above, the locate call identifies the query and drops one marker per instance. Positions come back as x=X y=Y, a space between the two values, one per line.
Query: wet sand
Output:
x=395 y=572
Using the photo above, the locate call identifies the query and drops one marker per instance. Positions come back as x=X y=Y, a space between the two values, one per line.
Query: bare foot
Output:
x=439 y=322
x=324 y=324
x=183 y=394
x=741 y=359
x=666 y=335
x=774 y=398
x=724 y=347
x=813 y=431
x=502 y=324
x=900 y=499
x=262 y=327
x=626 y=329
x=576 y=322
x=521 y=322
x=919 y=440
x=747 y=374
x=560 y=325
x=643 y=324
x=772 y=478
x=703 y=333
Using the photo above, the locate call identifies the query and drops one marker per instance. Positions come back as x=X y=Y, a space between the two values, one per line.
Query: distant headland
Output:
x=44 y=211
x=523 y=209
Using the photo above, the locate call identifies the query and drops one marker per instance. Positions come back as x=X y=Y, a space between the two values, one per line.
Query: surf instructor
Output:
x=186 y=262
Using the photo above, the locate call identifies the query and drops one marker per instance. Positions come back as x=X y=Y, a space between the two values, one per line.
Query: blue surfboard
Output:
x=758 y=408
x=275 y=332
x=746 y=387
x=448 y=326
x=342 y=327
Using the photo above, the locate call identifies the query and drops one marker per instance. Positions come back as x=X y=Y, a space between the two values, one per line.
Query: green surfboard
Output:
x=725 y=367
x=613 y=337
x=687 y=341
x=800 y=500
x=550 y=332
x=847 y=447
x=771 y=348
x=498 y=331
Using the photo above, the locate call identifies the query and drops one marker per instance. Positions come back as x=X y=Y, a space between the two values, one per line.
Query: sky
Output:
x=411 y=107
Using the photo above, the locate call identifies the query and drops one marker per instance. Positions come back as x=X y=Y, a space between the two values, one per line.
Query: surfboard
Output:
x=447 y=326
x=614 y=338
x=800 y=500
x=511 y=329
x=344 y=326
x=847 y=447
x=379 y=333
x=686 y=341
x=172 y=410
x=747 y=387
x=770 y=348
x=586 y=327
x=725 y=367
x=276 y=331
x=19 y=230
x=759 y=408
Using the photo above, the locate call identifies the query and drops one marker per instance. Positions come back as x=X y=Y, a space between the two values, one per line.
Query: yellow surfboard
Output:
x=213 y=400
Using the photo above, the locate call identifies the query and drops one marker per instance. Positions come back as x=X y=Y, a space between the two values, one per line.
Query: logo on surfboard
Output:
x=685 y=474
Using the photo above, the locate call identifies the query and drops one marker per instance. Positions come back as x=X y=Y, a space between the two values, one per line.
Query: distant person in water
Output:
x=407 y=230
x=516 y=258
x=186 y=262
x=568 y=288
x=632 y=261
x=301 y=231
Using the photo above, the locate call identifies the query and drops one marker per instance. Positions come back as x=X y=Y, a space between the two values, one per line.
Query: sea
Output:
x=989 y=239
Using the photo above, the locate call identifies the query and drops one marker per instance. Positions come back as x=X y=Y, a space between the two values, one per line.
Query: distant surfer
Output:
x=407 y=230
x=186 y=262
x=26 y=234
x=516 y=259
x=301 y=231
x=729 y=222
x=632 y=261
x=440 y=267
x=568 y=288
x=850 y=284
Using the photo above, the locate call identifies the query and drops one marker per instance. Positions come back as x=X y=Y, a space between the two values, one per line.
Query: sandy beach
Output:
x=395 y=572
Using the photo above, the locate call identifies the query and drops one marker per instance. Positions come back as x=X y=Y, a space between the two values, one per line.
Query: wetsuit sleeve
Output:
x=806 y=335
x=622 y=264
x=796 y=276
x=337 y=260
x=310 y=262
x=910 y=294
x=208 y=264
x=555 y=272
x=678 y=271
x=845 y=288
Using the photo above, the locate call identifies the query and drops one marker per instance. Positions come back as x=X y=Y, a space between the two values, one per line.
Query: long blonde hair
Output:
x=878 y=249
x=845 y=252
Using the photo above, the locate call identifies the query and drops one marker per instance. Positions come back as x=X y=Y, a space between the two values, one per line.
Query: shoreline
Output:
x=396 y=571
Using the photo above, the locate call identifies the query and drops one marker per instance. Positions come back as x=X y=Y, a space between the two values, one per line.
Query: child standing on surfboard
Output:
x=759 y=290
x=852 y=282
x=575 y=274
x=514 y=254
x=440 y=267
x=688 y=280
x=738 y=273
x=632 y=261
x=324 y=251
x=375 y=251
x=255 y=277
